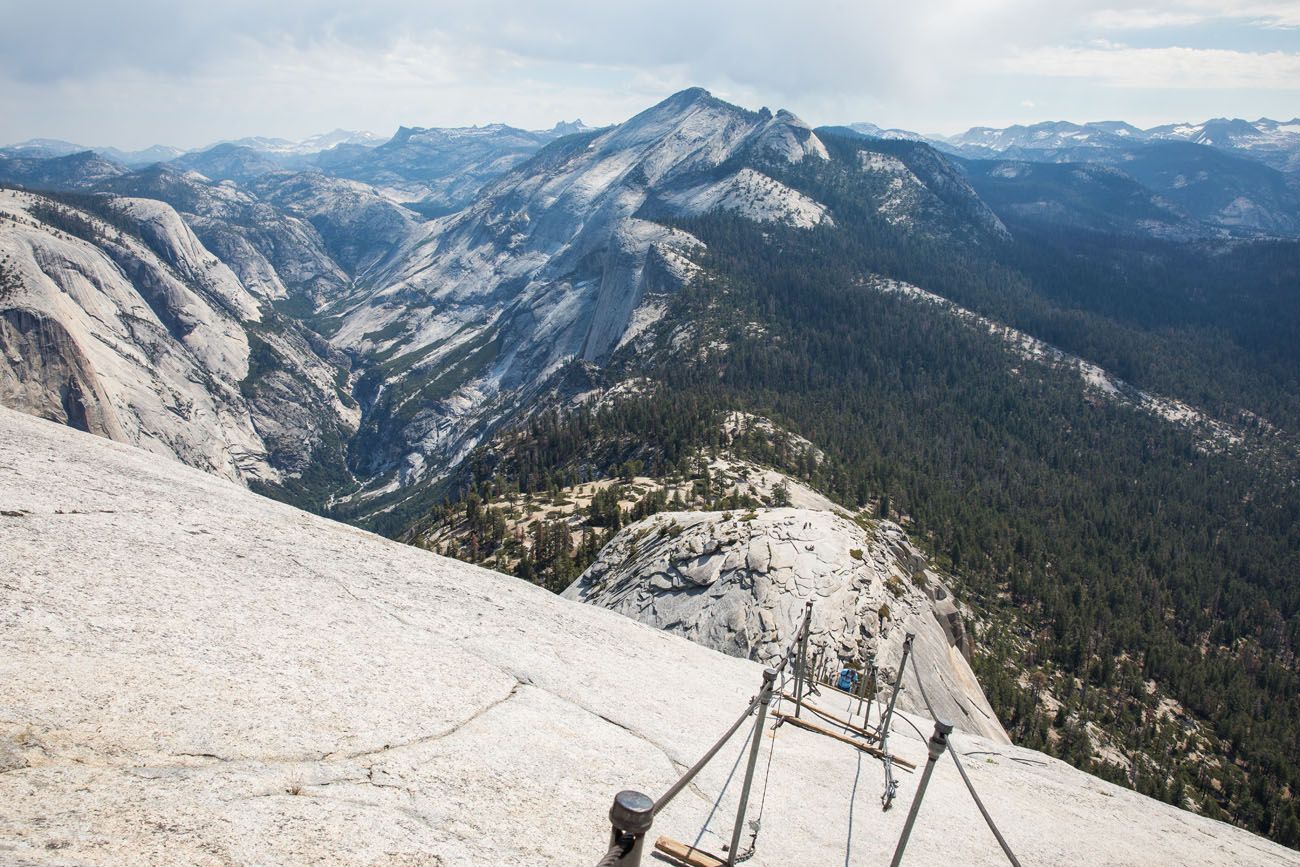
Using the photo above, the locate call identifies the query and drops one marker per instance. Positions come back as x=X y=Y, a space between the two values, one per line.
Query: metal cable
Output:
x=919 y=733
x=619 y=848
x=686 y=778
x=921 y=685
x=762 y=801
x=970 y=787
x=725 y=785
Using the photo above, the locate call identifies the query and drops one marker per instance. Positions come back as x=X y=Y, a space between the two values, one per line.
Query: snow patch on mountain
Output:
x=874 y=131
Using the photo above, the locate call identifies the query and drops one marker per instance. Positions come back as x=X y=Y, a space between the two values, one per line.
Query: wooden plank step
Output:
x=821 y=730
x=686 y=854
x=830 y=717
x=821 y=684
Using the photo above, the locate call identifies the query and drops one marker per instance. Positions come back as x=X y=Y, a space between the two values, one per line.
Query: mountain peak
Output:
x=690 y=94
x=570 y=127
x=692 y=98
x=44 y=148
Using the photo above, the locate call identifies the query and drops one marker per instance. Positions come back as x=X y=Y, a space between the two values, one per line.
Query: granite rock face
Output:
x=524 y=262
x=738 y=582
x=192 y=674
x=568 y=256
x=122 y=323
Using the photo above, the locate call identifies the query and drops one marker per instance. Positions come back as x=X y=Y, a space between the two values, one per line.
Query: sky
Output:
x=133 y=73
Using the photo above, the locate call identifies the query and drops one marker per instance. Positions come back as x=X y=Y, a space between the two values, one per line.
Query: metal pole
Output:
x=686 y=778
x=875 y=671
x=898 y=687
x=801 y=673
x=891 y=785
x=868 y=665
x=629 y=820
x=938 y=743
x=764 y=699
x=875 y=688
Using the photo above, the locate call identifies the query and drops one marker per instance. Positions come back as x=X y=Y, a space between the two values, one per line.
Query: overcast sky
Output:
x=187 y=72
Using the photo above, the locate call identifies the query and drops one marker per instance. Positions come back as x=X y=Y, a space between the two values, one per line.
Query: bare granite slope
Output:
x=738 y=582
x=133 y=330
x=191 y=674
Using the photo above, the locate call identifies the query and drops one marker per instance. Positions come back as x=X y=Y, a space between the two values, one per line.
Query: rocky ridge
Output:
x=556 y=261
x=191 y=673
x=737 y=582
x=123 y=324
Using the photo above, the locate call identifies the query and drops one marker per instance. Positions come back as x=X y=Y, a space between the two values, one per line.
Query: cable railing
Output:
x=633 y=812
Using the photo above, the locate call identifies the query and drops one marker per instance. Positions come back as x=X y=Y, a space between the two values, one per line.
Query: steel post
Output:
x=764 y=699
x=629 y=819
x=868 y=666
x=891 y=785
x=898 y=687
x=874 y=691
x=801 y=664
x=938 y=743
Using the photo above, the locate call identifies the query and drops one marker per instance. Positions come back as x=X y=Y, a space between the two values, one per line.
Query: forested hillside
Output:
x=1138 y=581
x=1091 y=419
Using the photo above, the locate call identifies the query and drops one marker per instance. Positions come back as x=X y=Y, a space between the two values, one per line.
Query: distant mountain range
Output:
x=1170 y=181
x=1225 y=176
x=1067 y=357
x=48 y=147
x=1272 y=142
x=434 y=170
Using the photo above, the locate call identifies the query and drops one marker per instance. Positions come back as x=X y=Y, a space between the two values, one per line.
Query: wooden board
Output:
x=869 y=750
x=827 y=715
x=821 y=684
x=880 y=688
x=686 y=855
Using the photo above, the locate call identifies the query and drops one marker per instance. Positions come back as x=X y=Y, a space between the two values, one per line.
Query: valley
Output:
x=1065 y=380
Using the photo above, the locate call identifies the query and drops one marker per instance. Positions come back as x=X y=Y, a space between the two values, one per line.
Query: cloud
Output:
x=498 y=56
x=1186 y=13
x=1172 y=68
x=851 y=44
x=1144 y=19
x=135 y=72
